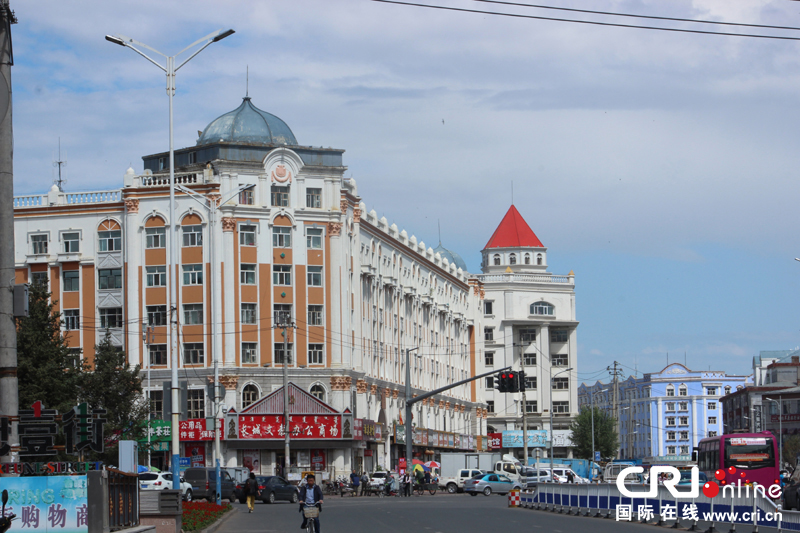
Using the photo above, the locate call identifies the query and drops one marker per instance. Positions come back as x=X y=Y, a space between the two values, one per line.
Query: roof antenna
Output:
x=60 y=163
x=512 y=192
x=247 y=86
x=439 y=223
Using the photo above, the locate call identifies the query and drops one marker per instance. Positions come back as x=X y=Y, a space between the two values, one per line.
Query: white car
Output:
x=163 y=481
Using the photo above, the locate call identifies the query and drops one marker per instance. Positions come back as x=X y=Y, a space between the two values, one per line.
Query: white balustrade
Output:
x=523 y=278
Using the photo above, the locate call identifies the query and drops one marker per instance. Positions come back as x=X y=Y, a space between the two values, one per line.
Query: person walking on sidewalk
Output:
x=364 y=484
x=251 y=491
x=354 y=479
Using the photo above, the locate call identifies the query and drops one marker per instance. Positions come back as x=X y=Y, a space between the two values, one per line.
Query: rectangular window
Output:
x=711 y=391
x=110 y=278
x=684 y=420
x=487 y=308
x=158 y=354
x=314 y=238
x=162 y=163
x=281 y=237
x=489 y=383
x=530 y=383
x=315 y=354
x=712 y=420
x=281 y=355
x=684 y=435
x=531 y=406
x=560 y=383
x=527 y=336
x=488 y=334
x=192 y=274
x=282 y=275
x=279 y=196
x=559 y=335
x=247 y=235
x=282 y=313
x=670 y=406
x=314 y=197
x=72 y=319
x=670 y=391
x=684 y=450
x=156 y=404
x=712 y=406
x=157 y=276
x=192 y=314
x=192 y=236
x=529 y=359
x=560 y=407
x=39 y=278
x=488 y=358
x=111 y=317
x=71 y=280
x=157 y=315
x=314 y=276
x=712 y=433
x=249 y=352
x=247 y=197
x=249 y=313
x=671 y=421
x=671 y=435
x=247 y=274
x=315 y=315
x=490 y=406
x=192 y=158
x=197 y=403
x=72 y=242
x=193 y=354
x=670 y=450
x=155 y=237
x=559 y=359
x=39 y=244
x=110 y=241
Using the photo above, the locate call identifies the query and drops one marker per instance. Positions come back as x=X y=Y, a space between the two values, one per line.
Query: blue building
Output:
x=663 y=415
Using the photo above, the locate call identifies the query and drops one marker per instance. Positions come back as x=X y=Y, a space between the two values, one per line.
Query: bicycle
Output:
x=310 y=512
x=420 y=488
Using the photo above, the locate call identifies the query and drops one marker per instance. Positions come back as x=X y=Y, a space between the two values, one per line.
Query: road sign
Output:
x=185 y=462
x=596 y=456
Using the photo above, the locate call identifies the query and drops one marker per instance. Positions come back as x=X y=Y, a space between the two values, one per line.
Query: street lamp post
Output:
x=591 y=469
x=409 y=429
x=170 y=70
x=780 y=428
x=552 y=377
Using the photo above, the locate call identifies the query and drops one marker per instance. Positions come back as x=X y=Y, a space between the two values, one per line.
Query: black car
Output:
x=791 y=498
x=272 y=488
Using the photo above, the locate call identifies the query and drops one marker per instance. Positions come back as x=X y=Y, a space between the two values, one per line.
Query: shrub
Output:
x=199 y=515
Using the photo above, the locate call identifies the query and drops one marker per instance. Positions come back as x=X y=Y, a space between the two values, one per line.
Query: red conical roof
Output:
x=513 y=232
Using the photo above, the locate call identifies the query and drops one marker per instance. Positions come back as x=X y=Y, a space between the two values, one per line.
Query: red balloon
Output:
x=719 y=474
x=731 y=469
x=710 y=489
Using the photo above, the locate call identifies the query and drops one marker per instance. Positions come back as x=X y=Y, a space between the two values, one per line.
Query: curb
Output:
x=218 y=524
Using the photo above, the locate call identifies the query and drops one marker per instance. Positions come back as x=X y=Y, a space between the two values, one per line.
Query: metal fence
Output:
x=601 y=500
x=123 y=499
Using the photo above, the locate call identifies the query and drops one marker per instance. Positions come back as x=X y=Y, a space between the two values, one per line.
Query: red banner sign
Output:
x=267 y=427
x=194 y=429
x=786 y=418
x=318 y=460
x=495 y=441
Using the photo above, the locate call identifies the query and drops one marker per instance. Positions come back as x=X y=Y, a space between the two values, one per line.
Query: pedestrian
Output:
x=354 y=482
x=420 y=477
x=251 y=491
x=406 y=484
x=364 y=484
x=311 y=496
x=570 y=477
x=427 y=477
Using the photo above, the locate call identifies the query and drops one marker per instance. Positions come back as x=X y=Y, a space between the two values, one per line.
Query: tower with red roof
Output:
x=514 y=245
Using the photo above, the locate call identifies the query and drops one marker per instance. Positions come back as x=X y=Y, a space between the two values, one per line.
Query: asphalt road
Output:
x=442 y=513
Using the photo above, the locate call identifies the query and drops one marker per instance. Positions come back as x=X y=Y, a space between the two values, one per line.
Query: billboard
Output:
x=48 y=503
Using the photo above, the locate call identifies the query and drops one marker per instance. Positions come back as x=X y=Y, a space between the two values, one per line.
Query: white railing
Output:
x=35 y=200
x=523 y=278
x=163 y=181
x=93 y=197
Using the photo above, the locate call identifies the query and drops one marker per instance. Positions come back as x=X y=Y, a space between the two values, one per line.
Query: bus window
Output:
x=749 y=452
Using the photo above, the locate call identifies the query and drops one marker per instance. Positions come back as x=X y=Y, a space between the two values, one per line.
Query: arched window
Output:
x=496 y=259
x=542 y=308
x=249 y=395
x=527 y=259
x=682 y=391
x=727 y=389
x=539 y=259
x=670 y=390
x=318 y=391
x=512 y=259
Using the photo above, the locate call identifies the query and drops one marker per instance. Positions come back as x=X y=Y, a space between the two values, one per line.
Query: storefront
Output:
x=429 y=444
x=197 y=442
x=160 y=438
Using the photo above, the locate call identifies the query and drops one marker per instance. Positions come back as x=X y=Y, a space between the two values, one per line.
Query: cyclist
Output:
x=310 y=495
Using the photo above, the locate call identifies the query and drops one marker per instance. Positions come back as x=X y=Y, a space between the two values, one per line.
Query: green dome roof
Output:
x=248 y=124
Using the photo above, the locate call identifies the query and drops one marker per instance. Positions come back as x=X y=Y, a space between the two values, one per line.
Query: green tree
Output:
x=46 y=368
x=115 y=386
x=791 y=449
x=606 y=440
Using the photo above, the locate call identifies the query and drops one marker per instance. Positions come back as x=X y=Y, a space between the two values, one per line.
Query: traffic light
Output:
x=502 y=382
x=512 y=382
x=521 y=381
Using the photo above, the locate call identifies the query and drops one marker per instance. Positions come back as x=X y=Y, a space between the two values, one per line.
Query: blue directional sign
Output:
x=596 y=456
x=184 y=462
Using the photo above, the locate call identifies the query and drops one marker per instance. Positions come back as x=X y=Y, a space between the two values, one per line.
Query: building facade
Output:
x=663 y=415
x=265 y=227
x=529 y=324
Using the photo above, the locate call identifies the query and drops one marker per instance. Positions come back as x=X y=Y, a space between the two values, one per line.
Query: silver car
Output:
x=489 y=483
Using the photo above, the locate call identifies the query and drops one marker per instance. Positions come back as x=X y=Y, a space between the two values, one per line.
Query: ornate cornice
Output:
x=132 y=205
x=228 y=224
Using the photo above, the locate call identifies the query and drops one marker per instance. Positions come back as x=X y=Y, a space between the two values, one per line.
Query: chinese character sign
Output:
x=495 y=441
x=48 y=504
x=194 y=430
x=308 y=427
x=513 y=438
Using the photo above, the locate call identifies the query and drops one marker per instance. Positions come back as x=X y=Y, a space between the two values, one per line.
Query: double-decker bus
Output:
x=753 y=455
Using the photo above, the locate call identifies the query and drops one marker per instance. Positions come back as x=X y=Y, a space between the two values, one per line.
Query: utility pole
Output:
x=285 y=322
x=615 y=405
x=148 y=331
x=9 y=394
x=524 y=405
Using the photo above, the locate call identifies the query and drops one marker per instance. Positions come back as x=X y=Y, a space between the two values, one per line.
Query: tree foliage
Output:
x=606 y=440
x=791 y=449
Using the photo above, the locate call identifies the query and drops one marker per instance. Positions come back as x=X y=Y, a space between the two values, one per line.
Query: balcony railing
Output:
x=523 y=278
x=73 y=198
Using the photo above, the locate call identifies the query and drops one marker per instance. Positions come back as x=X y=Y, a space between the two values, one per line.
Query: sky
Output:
x=659 y=166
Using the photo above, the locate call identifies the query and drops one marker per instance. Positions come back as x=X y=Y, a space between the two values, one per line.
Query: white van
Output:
x=561 y=472
x=544 y=476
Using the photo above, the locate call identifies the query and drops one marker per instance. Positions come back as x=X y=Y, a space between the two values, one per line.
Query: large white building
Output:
x=529 y=324
x=359 y=290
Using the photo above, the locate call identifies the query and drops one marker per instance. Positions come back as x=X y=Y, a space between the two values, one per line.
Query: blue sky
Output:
x=660 y=167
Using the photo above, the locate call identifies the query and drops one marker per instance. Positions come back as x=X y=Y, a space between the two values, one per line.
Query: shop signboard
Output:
x=303 y=459
x=358 y=429
x=562 y=438
x=302 y=427
x=48 y=503
x=537 y=438
x=318 y=460
x=194 y=430
x=251 y=459
x=197 y=453
x=495 y=441
x=399 y=434
x=457 y=441
x=160 y=432
x=371 y=430
x=401 y=465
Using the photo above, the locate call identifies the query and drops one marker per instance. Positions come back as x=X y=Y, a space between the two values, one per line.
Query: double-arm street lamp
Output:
x=780 y=428
x=170 y=69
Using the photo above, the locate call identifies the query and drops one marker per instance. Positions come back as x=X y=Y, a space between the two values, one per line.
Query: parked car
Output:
x=561 y=472
x=163 y=481
x=791 y=498
x=456 y=483
x=544 y=476
x=238 y=473
x=272 y=488
x=378 y=479
x=489 y=483
x=686 y=478
x=204 y=483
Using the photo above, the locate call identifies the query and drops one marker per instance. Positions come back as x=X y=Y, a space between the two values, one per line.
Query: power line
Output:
x=590 y=22
x=630 y=15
